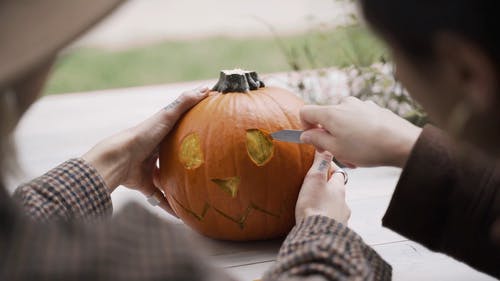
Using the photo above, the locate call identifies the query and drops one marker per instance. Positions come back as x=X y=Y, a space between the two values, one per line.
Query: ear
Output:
x=469 y=67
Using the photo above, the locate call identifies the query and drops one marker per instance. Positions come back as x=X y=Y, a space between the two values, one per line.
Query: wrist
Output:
x=109 y=164
x=405 y=145
x=311 y=212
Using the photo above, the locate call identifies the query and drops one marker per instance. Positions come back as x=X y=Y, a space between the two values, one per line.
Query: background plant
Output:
x=365 y=72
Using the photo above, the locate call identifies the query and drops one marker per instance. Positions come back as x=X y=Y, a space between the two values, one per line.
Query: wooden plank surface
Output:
x=409 y=260
x=60 y=127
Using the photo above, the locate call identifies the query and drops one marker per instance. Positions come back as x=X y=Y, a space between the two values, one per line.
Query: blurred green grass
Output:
x=175 y=61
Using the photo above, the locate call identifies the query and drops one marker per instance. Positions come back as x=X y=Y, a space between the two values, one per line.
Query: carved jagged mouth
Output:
x=240 y=220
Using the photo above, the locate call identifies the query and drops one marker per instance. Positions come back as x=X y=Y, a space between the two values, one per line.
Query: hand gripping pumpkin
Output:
x=221 y=171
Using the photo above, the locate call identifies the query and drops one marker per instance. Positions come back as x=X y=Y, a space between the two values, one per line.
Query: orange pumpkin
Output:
x=221 y=171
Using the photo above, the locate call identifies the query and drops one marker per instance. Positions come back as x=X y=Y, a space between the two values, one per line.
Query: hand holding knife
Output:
x=293 y=136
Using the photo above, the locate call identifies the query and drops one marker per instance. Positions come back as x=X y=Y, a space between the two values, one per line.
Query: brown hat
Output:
x=33 y=30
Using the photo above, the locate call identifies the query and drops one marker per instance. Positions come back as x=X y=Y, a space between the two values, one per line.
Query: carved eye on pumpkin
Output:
x=190 y=154
x=260 y=146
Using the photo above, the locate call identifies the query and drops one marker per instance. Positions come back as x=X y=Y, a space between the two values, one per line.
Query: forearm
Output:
x=72 y=190
x=323 y=249
x=110 y=159
x=134 y=245
x=447 y=199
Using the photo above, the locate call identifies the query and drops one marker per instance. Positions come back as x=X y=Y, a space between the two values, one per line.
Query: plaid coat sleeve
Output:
x=73 y=190
x=319 y=248
x=53 y=236
x=136 y=245
x=133 y=245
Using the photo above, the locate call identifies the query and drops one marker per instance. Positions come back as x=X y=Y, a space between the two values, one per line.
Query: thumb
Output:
x=319 y=138
x=317 y=176
x=336 y=179
x=318 y=173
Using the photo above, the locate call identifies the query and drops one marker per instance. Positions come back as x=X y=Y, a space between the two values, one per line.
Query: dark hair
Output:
x=412 y=24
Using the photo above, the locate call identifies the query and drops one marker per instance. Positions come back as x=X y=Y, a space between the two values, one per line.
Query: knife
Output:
x=287 y=135
x=294 y=136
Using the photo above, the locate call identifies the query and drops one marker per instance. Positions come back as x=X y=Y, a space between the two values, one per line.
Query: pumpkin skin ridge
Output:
x=268 y=130
x=187 y=191
x=298 y=146
x=265 y=128
x=222 y=107
x=236 y=103
x=239 y=102
x=290 y=125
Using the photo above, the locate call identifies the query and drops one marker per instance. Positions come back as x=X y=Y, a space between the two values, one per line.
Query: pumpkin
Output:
x=222 y=172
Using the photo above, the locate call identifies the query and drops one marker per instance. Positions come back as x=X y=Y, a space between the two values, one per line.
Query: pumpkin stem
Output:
x=238 y=81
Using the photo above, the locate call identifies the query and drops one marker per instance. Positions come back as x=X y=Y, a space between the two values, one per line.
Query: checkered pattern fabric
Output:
x=322 y=249
x=67 y=234
x=73 y=190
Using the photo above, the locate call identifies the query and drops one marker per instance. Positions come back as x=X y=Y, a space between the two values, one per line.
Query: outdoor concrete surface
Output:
x=140 y=22
x=57 y=128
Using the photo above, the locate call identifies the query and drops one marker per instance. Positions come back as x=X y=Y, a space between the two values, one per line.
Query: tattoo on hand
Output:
x=324 y=165
x=172 y=105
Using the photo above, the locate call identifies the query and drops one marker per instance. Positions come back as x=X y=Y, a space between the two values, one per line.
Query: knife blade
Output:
x=287 y=135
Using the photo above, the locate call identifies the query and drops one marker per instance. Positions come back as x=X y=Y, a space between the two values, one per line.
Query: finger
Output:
x=370 y=103
x=330 y=172
x=320 y=167
x=319 y=159
x=164 y=204
x=349 y=165
x=155 y=128
x=321 y=139
x=156 y=177
x=337 y=99
x=350 y=99
x=333 y=167
x=336 y=184
x=173 y=111
x=313 y=115
x=160 y=196
x=186 y=100
x=337 y=180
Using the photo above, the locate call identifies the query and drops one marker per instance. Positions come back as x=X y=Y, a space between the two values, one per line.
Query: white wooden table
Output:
x=57 y=128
